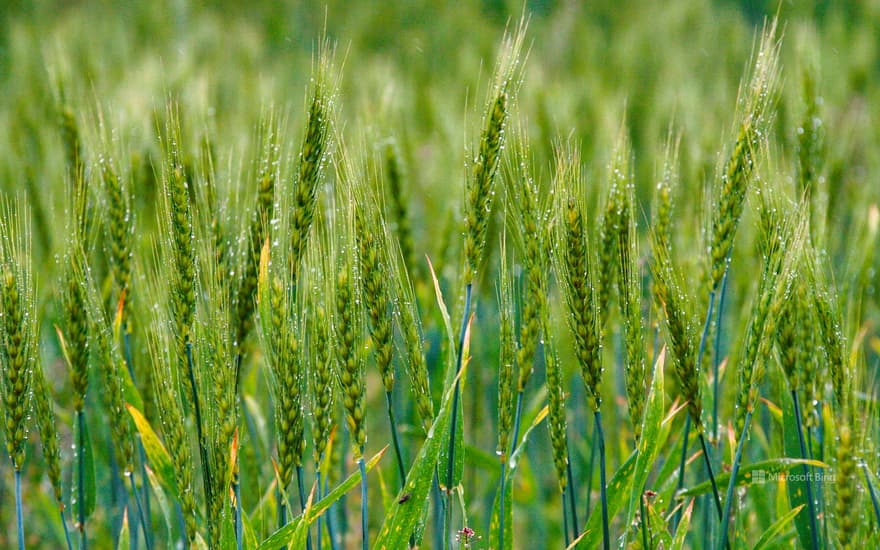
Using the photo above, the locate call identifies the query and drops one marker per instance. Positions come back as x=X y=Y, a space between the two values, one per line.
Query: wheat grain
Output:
x=574 y=273
x=349 y=357
x=118 y=233
x=178 y=213
x=110 y=365
x=755 y=102
x=172 y=418
x=506 y=358
x=397 y=181
x=322 y=396
x=679 y=329
x=282 y=335
x=629 y=282
x=45 y=414
x=610 y=227
x=17 y=368
x=781 y=250
x=664 y=191
x=529 y=217
x=18 y=340
x=370 y=236
x=480 y=185
x=847 y=493
x=267 y=174
x=314 y=150
x=407 y=313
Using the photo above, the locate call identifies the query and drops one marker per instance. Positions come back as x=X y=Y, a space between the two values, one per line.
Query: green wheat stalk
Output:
x=18 y=341
x=312 y=156
x=629 y=284
x=74 y=335
x=163 y=361
x=831 y=336
x=217 y=363
x=261 y=220
x=412 y=346
x=573 y=264
x=397 y=181
x=791 y=341
x=371 y=237
x=506 y=371
x=680 y=323
x=111 y=363
x=755 y=103
x=283 y=339
x=782 y=245
x=528 y=213
x=320 y=357
x=479 y=194
x=349 y=324
x=46 y=424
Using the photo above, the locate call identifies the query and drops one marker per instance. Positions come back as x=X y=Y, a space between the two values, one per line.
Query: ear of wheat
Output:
x=755 y=103
x=18 y=341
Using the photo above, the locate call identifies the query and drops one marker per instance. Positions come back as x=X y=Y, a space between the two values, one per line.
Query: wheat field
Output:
x=488 y=275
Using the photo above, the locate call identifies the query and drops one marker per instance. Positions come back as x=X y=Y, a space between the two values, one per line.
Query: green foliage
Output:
x=227 y=232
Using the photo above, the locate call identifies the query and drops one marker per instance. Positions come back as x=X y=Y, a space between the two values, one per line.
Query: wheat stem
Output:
x=81 y=478
x=203 y=446
x=517 y=419
x=716 y=356
x=331 y=520
x=809 y=433
x=646 y=527
x=148 y=536
x=502 y=490
x=681 y=464
x=600 y=438
x=590 y=465
x=67 y=538
x=365 y=541
x=565 y=528
x=820 y=440
x=450 y=463
x=708 y=460
x=236 y=511
x=142 y=456
x=447 y=531
x=401 y=468
x=702 y=349
x=318 y=492
x=572 y=494
x=282 y=508
x=181 y=524
x=19 y=520
x=438 y=517
x=811 y=505
x=300 y=486
x=340 y=518
x=728 y=504
x=119 y=496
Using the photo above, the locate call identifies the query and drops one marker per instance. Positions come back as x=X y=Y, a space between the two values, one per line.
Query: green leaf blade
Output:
x=156 y=453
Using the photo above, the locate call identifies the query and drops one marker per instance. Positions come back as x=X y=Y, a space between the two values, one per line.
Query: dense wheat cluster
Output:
x=397 y=275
